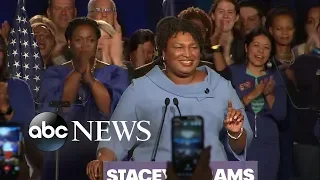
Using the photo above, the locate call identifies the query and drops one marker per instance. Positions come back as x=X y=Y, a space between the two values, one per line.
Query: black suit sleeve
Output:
x=226 y=73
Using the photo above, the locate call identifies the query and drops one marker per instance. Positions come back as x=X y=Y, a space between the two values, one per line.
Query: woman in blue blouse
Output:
x=262 y=92
x=92 y=87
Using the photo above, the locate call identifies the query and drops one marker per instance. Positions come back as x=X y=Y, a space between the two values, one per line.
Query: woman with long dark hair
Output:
x=311 y=22
x=263 y=94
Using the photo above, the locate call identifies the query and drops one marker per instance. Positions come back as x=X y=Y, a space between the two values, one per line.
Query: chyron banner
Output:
x=227 y=170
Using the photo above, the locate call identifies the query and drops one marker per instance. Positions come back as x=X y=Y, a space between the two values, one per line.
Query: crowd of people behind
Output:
x=235 y=59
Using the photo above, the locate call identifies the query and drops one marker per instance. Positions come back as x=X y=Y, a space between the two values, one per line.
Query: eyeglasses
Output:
x=101 y=10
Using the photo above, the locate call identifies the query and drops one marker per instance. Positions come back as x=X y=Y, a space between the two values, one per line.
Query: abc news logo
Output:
x=49 y=132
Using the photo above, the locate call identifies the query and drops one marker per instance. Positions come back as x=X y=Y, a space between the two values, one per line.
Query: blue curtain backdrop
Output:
x=135 y=14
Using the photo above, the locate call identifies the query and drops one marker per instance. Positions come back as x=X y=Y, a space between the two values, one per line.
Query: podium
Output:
x=227 y=170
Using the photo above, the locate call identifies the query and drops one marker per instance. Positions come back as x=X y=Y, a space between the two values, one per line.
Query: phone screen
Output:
x=187 y=143
x=10 y=147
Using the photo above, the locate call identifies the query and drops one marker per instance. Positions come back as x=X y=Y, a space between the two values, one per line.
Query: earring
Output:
x=269 y=64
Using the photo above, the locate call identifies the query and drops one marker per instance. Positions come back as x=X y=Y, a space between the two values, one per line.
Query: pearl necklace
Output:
x=289 y=62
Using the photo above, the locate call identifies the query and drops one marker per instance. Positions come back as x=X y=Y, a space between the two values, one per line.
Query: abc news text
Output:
x=47 y=131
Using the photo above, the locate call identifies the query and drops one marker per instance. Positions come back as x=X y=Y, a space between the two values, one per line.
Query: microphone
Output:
x=176 y=103
x=59 y=104
x=155 y=148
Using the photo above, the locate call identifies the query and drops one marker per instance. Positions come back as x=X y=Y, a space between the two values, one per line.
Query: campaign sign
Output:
x=227 y=170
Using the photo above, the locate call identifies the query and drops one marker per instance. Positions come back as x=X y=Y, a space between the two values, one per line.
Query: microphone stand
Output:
x=155 y=148
x=58 y=105
x=313 y=108
x=57 y=165
x=287 y=91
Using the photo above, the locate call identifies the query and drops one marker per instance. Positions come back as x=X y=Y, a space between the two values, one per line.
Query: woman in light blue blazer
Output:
x=200 y=91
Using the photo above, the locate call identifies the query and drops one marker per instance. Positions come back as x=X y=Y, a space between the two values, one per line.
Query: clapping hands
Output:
x=215 y=38
x=111 y=49
x=116 y=47
x=58 y=49
x=4 y=30
x=82 y=61
x=265 y=87
x=314 y=37
x=269 y=88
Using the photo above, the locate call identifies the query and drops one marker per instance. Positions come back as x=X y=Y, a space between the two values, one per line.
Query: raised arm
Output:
x=82 y=65
x=106 y=94
x=277 y=100
x=218 y=59
x=238 y=142
x=257 y=91
x=71 y=86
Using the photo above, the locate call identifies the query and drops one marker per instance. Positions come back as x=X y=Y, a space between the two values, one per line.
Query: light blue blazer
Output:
x=144 y=100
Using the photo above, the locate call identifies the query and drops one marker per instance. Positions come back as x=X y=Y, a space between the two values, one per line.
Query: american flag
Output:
x=24 y=59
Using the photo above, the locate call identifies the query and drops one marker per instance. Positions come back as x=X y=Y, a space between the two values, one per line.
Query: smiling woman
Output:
x=92 y=87
x=45 y=34
x=181 y=51
x=263 y=94
x=179 y=43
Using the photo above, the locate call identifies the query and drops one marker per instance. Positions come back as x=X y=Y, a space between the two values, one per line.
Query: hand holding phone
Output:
x=202 y=171
x=10 y=150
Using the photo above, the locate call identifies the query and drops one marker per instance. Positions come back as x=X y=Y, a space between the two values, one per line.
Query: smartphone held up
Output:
x=10 y=150
x=187 y=143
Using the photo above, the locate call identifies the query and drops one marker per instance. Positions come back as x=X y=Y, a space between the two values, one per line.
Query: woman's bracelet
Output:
x=235 y=138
